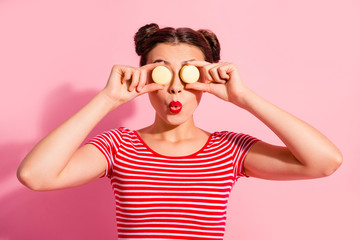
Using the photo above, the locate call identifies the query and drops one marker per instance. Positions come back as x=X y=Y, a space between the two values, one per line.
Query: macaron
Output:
x=189 y=73
x=161 y=75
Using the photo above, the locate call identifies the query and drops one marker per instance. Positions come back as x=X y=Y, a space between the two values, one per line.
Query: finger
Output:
x=209 y=72
x=151 y=88
x=198 y=63
x=134 y=80
x=117 y=69
x=148 y=68
x=142 y=80
x=127 y=75
x=151 y=66
x=222 y=71
x=206 y=72
x=204 y=87
x=215 y=75
x=203 y=66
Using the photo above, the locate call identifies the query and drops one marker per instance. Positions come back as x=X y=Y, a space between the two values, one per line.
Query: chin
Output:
x=176 y=120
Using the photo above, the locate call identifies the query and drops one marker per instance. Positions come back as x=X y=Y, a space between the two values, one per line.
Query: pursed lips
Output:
x=175 y=106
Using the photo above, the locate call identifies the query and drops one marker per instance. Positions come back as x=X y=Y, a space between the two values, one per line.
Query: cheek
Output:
x=196 y=95
x=156 y=99
x=191 y=98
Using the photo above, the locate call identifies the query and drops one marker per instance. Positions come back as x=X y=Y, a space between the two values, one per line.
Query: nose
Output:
x=176 y=86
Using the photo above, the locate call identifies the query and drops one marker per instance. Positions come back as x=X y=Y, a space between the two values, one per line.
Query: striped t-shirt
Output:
x=167 y=197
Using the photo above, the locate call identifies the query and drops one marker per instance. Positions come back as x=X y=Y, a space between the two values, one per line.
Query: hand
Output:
x=126 y=82
x=220 y=79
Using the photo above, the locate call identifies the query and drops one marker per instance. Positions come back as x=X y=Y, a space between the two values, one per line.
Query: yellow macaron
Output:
x=161 y=75
x=189 y=73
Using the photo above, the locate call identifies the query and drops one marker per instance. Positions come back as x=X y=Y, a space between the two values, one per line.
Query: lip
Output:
x=175 y=106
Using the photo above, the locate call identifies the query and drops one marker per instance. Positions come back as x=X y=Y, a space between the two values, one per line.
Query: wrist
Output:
x=243 y=98
x=108 y=103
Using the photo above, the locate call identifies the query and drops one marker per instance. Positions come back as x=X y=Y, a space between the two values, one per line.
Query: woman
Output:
x=172 y=179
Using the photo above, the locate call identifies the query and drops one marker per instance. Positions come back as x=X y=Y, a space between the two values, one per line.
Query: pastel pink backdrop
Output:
x=301 y=55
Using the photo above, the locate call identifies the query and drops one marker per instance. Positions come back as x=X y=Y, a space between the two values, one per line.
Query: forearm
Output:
x=307 y=144
x=50 y=156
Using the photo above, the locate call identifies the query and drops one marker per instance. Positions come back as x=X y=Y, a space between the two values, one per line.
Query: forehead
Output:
x=175 y=52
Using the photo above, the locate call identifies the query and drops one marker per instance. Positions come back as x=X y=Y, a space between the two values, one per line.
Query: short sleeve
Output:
x=108 y=143
x=242 y=143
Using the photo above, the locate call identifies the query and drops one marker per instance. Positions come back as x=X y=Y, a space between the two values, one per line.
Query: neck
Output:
x=173 y=133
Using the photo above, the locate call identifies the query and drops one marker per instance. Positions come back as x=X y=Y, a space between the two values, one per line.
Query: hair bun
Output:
x=213 y=42
x=144 y=33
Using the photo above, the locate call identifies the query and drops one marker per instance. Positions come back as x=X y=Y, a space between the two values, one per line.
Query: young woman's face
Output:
x=174 y=104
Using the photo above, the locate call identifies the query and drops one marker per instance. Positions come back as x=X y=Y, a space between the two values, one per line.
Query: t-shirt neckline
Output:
x=174 y=157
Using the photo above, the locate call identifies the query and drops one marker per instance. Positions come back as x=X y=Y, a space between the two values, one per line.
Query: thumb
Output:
x=151 y=87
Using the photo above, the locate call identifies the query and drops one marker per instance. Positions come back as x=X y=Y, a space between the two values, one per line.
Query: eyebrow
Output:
x=166 y=62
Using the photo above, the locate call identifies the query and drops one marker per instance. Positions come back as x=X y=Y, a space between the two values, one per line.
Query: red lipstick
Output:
x=175 y=106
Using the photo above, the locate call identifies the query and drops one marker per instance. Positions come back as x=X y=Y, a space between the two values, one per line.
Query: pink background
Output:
x=301 y=55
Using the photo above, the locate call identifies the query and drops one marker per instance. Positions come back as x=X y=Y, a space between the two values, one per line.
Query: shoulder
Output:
x=119 y=131
x=229 y=135
x=116 y=135
x=234 y=137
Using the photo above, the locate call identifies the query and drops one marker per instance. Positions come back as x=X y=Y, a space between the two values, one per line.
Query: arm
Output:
x=308 y=153
x=43 y=167
x=57 y=161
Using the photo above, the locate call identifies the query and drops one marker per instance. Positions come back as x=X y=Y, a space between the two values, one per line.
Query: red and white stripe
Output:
x=162 y=197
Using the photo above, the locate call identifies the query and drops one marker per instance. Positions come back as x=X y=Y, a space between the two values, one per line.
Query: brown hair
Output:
x=149 y=35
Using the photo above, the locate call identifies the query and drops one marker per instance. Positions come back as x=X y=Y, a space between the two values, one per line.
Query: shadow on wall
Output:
x=85 y=212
